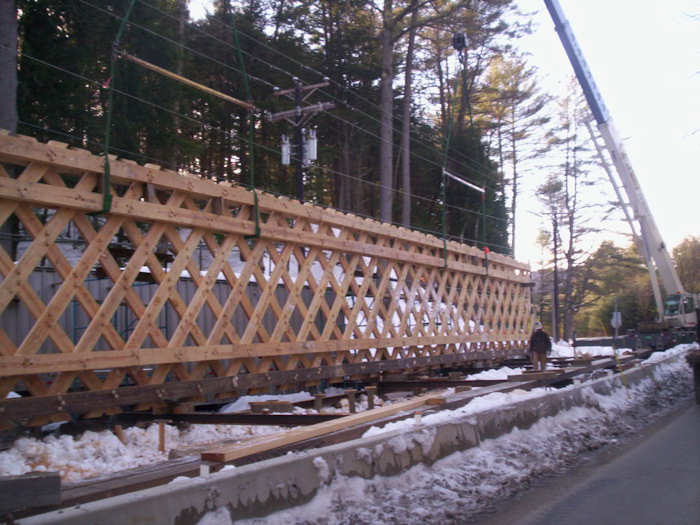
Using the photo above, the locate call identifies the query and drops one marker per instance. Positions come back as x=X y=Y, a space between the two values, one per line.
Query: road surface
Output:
x=653 y=481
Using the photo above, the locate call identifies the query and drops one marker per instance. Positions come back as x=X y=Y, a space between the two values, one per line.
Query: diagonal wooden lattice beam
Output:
x=335 y=288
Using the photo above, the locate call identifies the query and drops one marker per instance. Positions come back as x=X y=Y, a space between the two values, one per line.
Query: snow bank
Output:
x=496 y=373
x=458 y=487
x=564 y=349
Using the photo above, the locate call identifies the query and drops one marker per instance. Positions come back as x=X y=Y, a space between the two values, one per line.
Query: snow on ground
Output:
x=243 y=403
x=564 y=349
x=496 y=373
x=465 y=484
x=98 y=453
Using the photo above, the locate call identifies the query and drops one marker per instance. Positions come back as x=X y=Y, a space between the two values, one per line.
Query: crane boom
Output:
x=653 y=248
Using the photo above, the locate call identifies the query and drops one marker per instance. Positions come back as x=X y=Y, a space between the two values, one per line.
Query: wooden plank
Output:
x=215 y=418
x=547 y=374
x=229 y=453
x=35 y=489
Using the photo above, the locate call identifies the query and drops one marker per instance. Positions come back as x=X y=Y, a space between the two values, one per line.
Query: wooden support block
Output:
x=464 y=388
x=182 y=408
x=318 y=401
x=119 y=432
x=161 y=436
x=218 y=205
x=272 y=405
x=371 y=392
x=533 y=376
x=435 y=401
x=35 y=489
x=351 y=400
x=151 y=194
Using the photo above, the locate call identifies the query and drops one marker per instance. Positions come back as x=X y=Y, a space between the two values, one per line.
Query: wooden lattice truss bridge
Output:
x=167 y=298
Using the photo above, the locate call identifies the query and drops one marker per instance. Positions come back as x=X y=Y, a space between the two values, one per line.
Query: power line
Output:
x=175 y=42
x=269 y=84
x=82 y=140
x=474 y=166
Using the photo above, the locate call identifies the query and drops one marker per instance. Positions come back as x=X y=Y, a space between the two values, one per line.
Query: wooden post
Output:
x=119 y=432
x=351 y=400
x=161 y=436
x=371 y=392
x=318 y=401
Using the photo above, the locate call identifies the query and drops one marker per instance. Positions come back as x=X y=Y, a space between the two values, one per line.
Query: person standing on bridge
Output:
x=540 y=346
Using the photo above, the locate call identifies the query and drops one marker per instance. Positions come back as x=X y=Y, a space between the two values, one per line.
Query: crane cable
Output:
x=251 y=134
x=109 y=84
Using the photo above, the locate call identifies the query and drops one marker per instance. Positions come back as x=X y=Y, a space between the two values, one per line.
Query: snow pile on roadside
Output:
x=243 y=403
x=496 y=373
x=464 y=484
x=564 y=349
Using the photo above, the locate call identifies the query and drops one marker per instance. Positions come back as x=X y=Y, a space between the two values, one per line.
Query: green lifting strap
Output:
x=106 y=182
x=251 y=136
x=444 y=189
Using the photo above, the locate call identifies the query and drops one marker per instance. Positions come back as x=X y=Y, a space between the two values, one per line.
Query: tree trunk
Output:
x=386 y=152
x=463 y=102
x=442 y=86
x=8 y=103
x=406 y=127
x=344 y=195
x=8 y=66
x=555 y=284
x=515 y=179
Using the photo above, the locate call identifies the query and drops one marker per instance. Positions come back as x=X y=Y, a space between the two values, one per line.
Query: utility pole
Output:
x=298 y=117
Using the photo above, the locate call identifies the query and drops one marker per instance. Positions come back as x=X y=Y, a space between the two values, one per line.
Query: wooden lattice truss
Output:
x=360 y=291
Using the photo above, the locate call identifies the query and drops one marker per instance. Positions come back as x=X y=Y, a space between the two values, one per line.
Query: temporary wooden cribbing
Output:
x=318 y=288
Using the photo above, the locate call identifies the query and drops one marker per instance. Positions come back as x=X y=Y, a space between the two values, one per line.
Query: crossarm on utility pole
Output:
x=323 y=106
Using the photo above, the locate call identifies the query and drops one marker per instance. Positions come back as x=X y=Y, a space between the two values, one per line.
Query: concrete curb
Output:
x=265 y=487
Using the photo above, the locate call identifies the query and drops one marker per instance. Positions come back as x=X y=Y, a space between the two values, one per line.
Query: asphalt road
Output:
x=653 y=481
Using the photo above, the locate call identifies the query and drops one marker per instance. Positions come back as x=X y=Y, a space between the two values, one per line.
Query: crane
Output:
x=679 y=309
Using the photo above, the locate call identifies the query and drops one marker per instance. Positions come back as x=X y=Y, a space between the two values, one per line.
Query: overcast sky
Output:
x=645 y=58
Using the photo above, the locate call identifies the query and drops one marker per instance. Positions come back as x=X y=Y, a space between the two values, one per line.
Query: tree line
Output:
x=405 y=105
